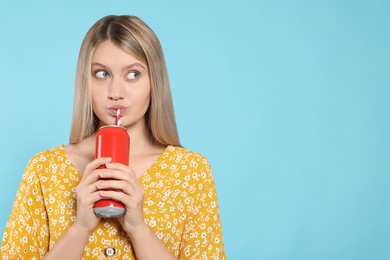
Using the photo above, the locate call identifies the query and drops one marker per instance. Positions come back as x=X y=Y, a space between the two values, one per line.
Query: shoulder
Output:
x=54 y=153
x=182 y=152
x=46 y=157
x=40 y=163
x=189 y=161
x=184 y=155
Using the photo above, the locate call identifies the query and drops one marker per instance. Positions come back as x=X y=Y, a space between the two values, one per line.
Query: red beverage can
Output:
x=111 y=141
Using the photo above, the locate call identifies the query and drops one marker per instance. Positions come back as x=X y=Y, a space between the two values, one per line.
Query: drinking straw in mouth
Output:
x=118 y=117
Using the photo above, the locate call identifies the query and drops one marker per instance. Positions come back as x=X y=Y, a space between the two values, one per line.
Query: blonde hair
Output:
x=133 y=36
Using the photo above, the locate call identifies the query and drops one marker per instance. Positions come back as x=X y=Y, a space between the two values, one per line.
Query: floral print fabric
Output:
x=180 y=206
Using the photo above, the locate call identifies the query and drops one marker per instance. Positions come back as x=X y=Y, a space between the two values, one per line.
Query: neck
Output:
x=140 y=142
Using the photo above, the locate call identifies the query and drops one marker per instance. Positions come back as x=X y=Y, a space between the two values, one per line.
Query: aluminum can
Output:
x=111 y=141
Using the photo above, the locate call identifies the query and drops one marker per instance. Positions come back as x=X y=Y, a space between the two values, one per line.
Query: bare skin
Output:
x=83 y=153
x=118 y=79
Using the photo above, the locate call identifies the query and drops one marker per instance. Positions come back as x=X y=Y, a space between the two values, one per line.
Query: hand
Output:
x=87 y=194
x=119 y=182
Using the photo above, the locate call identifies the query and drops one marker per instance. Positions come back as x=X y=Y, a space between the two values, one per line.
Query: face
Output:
x=120 y=82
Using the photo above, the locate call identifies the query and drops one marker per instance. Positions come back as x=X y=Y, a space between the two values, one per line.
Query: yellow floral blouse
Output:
x=180 y=206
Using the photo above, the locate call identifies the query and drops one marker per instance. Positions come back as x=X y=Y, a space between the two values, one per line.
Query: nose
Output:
x=116 y=90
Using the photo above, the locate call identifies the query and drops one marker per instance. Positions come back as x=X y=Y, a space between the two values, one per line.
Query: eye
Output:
x=101 y=74
x=133 y=75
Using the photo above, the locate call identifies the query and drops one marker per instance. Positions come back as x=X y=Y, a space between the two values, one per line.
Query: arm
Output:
x=147 y=245
x=123 y=185
x=73 y=242
x=202 y=237
x=26 y=234
x=71 y=245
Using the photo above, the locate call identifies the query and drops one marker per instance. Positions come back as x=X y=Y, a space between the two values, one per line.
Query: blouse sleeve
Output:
x=202 y=237
x=26 y=234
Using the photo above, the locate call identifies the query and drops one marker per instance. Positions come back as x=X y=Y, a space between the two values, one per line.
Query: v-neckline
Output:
x=143 y=176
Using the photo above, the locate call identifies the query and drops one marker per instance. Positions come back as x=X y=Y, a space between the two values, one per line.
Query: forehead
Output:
x=108 y=53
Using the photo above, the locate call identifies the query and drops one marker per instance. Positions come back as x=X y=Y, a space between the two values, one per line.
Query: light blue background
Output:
x=289 y=100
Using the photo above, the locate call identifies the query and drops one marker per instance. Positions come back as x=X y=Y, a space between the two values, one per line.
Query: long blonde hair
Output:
x=135 y=37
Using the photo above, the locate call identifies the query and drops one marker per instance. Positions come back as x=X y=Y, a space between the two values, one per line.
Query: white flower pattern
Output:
x=180 y=206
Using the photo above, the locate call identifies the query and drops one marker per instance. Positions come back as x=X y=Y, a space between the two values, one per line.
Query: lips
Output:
x=112 y=110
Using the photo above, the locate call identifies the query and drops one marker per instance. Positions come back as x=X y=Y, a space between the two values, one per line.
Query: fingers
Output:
x=118 y=177
x=95 y=164
x=117 y=185
x=133 y=200
x=119 y=182
x=91 y=173
x=86 y=186
x=117 y=170
x=90 y=199
x=116 y=181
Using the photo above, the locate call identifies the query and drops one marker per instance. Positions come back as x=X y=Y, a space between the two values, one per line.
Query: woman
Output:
x=168 y=191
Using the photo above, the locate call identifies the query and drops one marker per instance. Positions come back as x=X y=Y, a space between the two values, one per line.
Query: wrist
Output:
x=138 y=232
x=80 y=230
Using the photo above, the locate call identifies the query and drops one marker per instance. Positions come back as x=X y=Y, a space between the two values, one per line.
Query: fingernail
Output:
x=109 y=165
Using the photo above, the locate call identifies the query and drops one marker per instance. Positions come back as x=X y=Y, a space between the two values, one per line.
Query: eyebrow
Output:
x=127 y=67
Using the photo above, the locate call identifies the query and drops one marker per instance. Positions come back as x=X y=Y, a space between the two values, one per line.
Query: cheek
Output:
x=94 y=100
x=141 y=102
x=142 y=96
x=148 y=93
x=97 y=98
x=146 y=100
